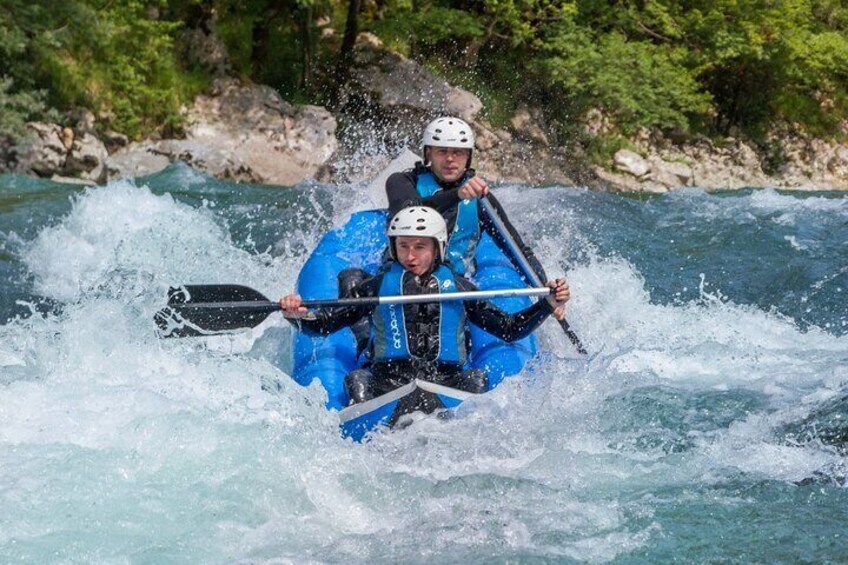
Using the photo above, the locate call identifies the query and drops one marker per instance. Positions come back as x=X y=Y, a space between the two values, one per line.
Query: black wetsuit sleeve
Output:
x=401 y=192
x=325 y=321
x=508 y=327
x=490 y=228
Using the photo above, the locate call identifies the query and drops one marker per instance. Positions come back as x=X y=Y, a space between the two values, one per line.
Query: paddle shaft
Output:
x=523 y=264
x=268 y=306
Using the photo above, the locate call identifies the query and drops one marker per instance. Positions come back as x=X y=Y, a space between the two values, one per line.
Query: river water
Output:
x=709 y=423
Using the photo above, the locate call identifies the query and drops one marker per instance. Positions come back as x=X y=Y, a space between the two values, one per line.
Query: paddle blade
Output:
x=205 y=293
x=195 y=310
x=578 y=345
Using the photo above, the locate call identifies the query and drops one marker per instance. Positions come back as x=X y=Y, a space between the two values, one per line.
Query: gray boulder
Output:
x=44 y=153
x=399 y=86
x=526 y=125
x=671 y=175
x=388 y=101
x=56 y=151
x=136 y=160
x=87 y=159
x=631 y=163
x=837 y=164
x=246 y=133
x=278 y=142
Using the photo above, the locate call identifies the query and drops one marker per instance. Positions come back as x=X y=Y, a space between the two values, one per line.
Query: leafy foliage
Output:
x=117 y=58
x=16 y=109
x=638 y=83
x=436 y=24
x=717 y=66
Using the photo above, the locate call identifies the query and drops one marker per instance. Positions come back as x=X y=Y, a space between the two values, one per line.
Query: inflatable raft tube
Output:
x=360 y=243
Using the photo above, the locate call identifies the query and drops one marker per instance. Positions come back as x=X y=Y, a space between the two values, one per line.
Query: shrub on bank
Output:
x=717 y=68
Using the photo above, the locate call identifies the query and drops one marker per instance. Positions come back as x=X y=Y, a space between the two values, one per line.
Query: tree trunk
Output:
x=348 y=42
x=262 y=37
x=259 y=54
x=413 y=41
x=307 y=45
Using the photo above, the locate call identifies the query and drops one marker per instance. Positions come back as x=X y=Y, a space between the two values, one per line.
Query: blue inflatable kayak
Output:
x=360 y=243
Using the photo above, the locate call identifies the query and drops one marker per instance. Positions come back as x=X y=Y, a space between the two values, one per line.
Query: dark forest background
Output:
x=716 y=68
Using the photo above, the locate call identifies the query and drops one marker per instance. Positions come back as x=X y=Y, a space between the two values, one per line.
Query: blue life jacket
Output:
x=388 y=328
x=463 y=239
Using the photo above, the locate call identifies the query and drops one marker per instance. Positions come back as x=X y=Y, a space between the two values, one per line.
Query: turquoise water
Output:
x=708 y=425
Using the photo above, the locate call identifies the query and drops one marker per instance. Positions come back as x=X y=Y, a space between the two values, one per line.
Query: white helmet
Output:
x=418 y=221
x=448 y=132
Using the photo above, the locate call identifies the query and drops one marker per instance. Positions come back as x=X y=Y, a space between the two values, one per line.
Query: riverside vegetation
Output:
x=598 y=75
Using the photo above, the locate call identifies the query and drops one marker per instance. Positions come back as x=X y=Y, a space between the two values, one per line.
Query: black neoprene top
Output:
x=402 y=192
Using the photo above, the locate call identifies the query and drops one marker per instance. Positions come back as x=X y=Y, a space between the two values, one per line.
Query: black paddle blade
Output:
x=205 y=293
x=172 y=324
x=195 y=310
x=578 y=345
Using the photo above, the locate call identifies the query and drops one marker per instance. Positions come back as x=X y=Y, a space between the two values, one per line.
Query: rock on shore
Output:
x=241 y=132
x=660 y=165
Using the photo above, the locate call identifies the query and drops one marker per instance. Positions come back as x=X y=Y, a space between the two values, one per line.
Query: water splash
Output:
x=698 y=412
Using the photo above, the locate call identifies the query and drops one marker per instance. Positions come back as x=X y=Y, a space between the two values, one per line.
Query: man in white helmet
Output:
x=445 y=181
x=423 y=341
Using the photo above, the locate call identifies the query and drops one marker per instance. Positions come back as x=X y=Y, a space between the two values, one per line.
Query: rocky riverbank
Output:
x=247 y=132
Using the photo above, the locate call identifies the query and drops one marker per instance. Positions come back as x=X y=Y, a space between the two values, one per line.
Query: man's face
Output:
x=416 y=254
x=448 y=163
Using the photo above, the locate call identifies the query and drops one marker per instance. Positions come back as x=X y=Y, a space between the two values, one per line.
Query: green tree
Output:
x=275 y=42
x=116 y=58
x=19 y=107
x=717 y=66
x=20 y=100
x=637 y=83
x=768 y=59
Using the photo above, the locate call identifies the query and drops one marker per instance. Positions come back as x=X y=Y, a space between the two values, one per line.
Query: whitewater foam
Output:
x=117 y=445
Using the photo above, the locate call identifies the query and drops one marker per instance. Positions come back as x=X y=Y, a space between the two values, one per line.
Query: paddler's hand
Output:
x=475 y=187
x=291 y=306
x=560 y=296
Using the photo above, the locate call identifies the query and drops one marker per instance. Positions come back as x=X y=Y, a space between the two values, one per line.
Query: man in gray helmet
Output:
x=419 y=341
x=446 y=182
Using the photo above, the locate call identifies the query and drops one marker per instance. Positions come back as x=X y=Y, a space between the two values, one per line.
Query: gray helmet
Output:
x=418 y=221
